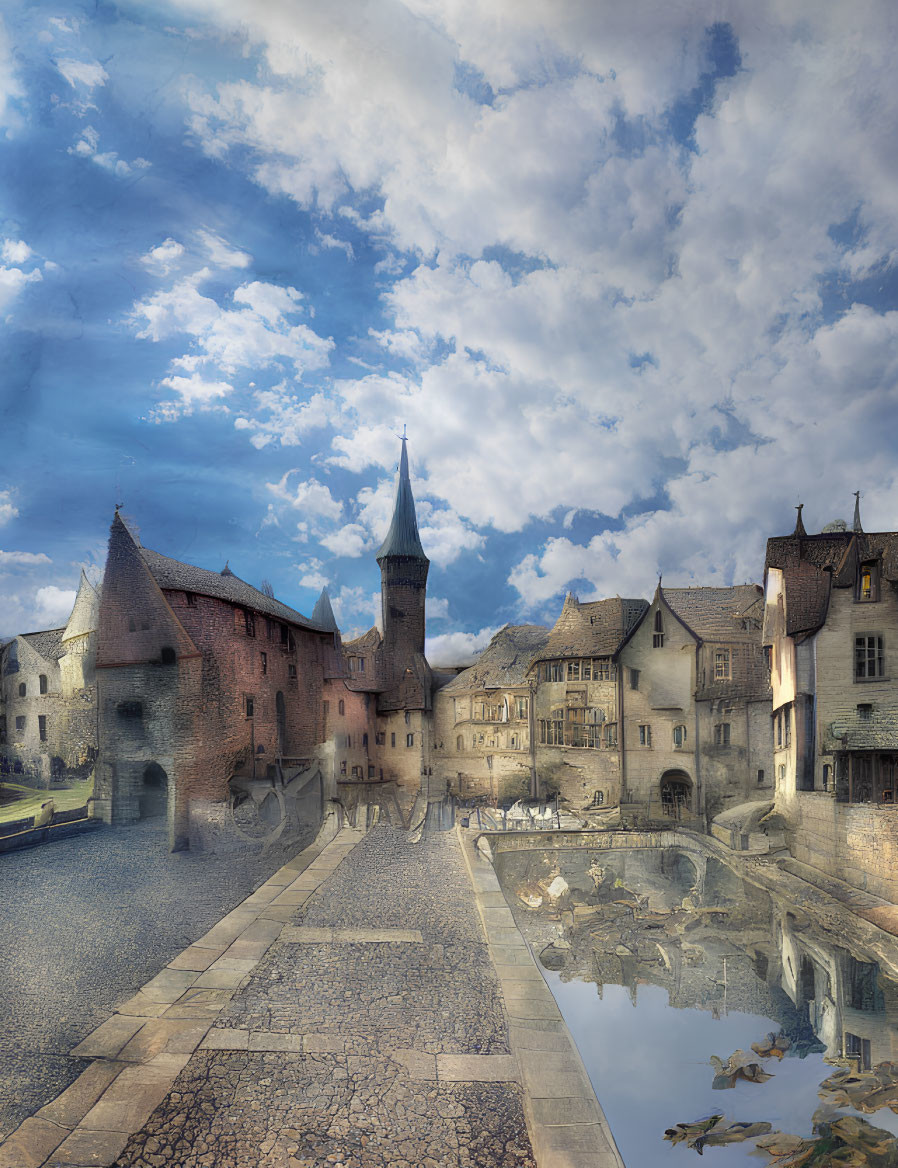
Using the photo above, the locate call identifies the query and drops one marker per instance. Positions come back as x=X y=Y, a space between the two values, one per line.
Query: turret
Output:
x=403 y=576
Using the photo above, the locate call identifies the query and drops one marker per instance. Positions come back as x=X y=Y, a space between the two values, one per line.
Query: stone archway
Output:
x=153 y=796
x=676 y=794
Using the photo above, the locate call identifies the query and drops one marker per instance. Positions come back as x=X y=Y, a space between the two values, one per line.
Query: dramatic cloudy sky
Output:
x=627 y=272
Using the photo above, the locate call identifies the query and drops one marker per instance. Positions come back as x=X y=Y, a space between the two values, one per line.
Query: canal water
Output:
x=668 y=971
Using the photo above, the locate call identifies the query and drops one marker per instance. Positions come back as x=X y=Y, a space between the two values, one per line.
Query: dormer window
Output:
x=868 y=583
x=658 y=634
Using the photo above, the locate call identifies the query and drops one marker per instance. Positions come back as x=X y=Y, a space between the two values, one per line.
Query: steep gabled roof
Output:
x=323 y=614
x=173 y=574
x=47 y=643
x=505 y=661
x=402 y=539
x=85 y=611
x=714 y=613
x=596 y=628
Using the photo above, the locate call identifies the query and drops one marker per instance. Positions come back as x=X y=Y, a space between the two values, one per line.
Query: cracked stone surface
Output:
x=358 y=1106
x=94 y=917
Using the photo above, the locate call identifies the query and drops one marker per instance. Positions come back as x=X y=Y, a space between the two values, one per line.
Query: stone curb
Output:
x=567 y=1126
x=140 y=1050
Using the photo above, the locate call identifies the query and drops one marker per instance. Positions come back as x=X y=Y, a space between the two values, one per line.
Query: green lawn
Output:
x=32 y=798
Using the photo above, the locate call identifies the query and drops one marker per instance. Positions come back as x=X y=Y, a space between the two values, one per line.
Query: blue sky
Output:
x=626 y=272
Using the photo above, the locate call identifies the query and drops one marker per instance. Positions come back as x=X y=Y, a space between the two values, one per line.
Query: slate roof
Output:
x=505 y=661
x=402 y=539
x=47 y=643
x=714 y=613
x=593 y=629
x=173 y=574
x=323 y=614
x=813 y=564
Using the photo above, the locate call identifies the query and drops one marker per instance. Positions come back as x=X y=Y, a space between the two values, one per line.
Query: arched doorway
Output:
x=153 y=792
x=281 y=711
x=676 y=794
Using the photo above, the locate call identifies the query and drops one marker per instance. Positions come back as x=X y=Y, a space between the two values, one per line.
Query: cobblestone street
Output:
x=93 y=918
x=379 y=1012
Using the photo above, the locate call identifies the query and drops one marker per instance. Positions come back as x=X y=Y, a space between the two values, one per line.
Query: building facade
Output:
x=831 y=629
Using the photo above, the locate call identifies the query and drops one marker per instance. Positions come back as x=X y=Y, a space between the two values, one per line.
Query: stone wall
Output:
x=855 y=842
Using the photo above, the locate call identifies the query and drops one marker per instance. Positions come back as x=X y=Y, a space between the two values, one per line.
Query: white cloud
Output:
x=8 y=509
x=15 y=251
x=437 y=608
x=282 y=417
x=87 y=73
x=193 y=393
x=53 y=606
x=22 y=559
x=351 y=540
x=331 y=241
x=458 y=648
x=220 y=252
x=313 y=499
x=87 y=147
x=161 y=259
x=356 y=610
x=312 y=575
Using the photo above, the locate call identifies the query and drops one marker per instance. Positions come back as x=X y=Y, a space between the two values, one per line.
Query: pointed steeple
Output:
x=402 y=538
x=857 y=514
x=323 y=614
x=85 y=611
x=799 y=526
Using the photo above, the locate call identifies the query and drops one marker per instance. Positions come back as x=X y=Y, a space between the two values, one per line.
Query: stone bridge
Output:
x=697 y=849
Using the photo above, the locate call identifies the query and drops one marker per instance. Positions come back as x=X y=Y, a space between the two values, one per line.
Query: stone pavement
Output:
x=365 y=1007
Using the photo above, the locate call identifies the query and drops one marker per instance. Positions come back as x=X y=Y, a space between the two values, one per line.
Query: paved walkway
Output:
x=372 y=1005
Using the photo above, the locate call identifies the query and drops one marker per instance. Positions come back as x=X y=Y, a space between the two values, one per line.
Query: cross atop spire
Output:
x=857 y=513
x=402 y=538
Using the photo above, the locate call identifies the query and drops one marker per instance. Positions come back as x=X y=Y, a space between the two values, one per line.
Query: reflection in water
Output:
x=706 y=1010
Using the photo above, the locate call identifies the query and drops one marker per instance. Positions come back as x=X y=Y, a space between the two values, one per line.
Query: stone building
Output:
x=660 y=709
x=831 y=628
x=484 y=729
x=48 y=711
x=695 y=704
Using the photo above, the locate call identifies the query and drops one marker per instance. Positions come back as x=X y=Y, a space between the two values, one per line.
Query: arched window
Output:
x=658 y=634
x=460 y=742
x=341 y=706
x=42 y=681
x=22 y=689
x=168 y=655
x=598 y=798
x=679 y=735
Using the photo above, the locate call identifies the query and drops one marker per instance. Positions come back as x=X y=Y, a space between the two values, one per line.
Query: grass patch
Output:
x=30 y=798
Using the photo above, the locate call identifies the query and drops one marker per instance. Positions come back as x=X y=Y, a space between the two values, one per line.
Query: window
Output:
x=865 y=711
x=553 y=671
x=408 y=717
x=722 y=665
x=190 y=597
x=602 y=669
x=722 y=734
x=20 y=723
x=460 y=742
x=343 y=766
x=634 y=679
x=284 y=636
x=291 y=671
x=42 y=727
x=167 y=656
x=658 y=634
x=781 y=772
x=827 y=773
x=645 y=736
x=868 y=657
x=264 y=659
x=522 y=707
x=249 y=620
x=380 y=738
x=356 y=772
x=371 y=770
x=761 y=779
x=393 y=738
x=42 y=683
x=250 y=705
x=325 y=708
x=341 y=707
x=356 y=664
x=598 y=798
x=409 y=740
x=573 y=670
x=868 y=582
x=679 y=735
x=22 y=689
x=611 y=734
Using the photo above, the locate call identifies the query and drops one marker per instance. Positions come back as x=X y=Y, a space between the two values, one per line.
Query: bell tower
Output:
x=403 y=586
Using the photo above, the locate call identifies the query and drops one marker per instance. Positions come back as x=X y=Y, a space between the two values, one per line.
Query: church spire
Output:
x=323 y=614
x=402 y=538
x=857 y=513
x=799 y=526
